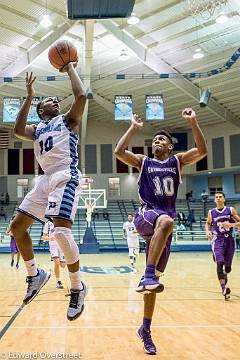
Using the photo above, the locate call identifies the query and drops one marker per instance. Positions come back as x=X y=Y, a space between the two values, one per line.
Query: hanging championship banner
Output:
x=154 y=107
x=123 y=107
x=11 y=107
x=32 y=115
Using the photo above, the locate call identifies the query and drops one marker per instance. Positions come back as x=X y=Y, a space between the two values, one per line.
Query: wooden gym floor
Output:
x=192 y=321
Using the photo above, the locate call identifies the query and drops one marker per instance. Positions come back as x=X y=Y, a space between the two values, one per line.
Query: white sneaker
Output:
x=76 y=304
x=35 y=283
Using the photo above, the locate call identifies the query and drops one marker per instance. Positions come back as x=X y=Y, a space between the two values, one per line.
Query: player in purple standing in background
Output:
x=157 y=185
x=219 y=229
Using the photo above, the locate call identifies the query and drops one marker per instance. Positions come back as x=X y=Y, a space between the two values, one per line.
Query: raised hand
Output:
x=29 y=83
x=189 y=114
x=137 y=122
x=68 y=66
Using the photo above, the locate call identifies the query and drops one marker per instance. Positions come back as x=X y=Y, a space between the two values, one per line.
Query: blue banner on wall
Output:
x=11 y=107
x=123 y=107
x=154 y=107
x=32 y=115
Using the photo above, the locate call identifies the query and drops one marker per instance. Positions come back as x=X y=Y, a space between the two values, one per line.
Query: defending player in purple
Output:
x=158 y=183
x=219 y=229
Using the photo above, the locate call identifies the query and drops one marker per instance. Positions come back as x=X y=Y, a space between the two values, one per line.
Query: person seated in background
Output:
x=105 y=214
x=7 y=199
x=180 y=228
x=190 y=219
x=95 y=214
x=181 y=217
x=237 y=238
x=189 y=196
x=2 y=213
x=204 y=195
x=2 y=199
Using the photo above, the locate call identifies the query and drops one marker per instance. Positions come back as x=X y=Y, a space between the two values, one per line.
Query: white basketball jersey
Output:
x=55 y=146
x=130 y=229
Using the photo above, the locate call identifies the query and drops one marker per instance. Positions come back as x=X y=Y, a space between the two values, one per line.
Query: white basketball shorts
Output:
x=55 y=250
x=133 y=246
x=54 y=195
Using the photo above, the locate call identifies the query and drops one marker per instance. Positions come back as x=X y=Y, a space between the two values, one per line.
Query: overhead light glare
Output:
x=46 y=21
x=222 y=18
x=133 y=19
x=198 y=54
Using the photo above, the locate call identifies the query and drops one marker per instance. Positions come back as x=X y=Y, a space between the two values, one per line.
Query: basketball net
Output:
x=205 y=8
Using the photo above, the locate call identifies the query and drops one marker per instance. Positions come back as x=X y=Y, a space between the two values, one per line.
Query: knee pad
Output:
x=67 y=244
x=220 y=272
x=228 y=269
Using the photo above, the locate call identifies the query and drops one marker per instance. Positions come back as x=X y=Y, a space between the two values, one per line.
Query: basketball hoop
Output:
x=205 y=8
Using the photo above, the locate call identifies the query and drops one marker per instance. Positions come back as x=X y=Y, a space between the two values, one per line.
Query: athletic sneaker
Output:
x=35 y=283
x=148 y=344
x=226 y=293
x=76 y=304
x=149 y=285
x=12 y=262
x=59 y=285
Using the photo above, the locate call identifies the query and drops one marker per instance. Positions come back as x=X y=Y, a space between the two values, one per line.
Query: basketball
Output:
x=61 y=53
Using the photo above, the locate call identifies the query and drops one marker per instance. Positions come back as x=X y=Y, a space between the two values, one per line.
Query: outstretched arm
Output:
x=195 y=154
x=21 y=129
x=121 y=151
x=74 y=115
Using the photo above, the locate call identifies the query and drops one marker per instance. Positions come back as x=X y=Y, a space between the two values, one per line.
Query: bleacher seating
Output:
x=108 y=231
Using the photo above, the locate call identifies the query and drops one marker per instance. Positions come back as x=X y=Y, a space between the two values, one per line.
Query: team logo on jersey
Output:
x=52 y=205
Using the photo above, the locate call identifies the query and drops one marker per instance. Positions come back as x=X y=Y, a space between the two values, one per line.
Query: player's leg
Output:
x=163 y=226
x=36 y=278
x=228 y=256
x=144 y=331
x=55 y=255
x=12 y=259
x=32 y=208
x=18 y=258
x=130 y=253
x=218 y=257
x=62 y=206
x=64 y=238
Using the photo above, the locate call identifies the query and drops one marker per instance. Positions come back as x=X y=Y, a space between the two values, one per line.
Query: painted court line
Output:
x=9 y=323
x=130 y=327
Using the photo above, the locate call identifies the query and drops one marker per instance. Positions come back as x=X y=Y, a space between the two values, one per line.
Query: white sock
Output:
x=31 y=266
x=57 y=279
x=75 y=280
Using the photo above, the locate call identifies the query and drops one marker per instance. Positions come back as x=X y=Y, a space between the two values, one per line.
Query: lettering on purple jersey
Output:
x=158 y=184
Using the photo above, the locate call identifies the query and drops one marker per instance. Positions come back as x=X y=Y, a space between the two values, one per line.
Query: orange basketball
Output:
x=61 y=53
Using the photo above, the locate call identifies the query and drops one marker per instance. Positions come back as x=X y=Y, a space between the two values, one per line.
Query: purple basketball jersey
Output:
x=218 y=218
x=158 y=184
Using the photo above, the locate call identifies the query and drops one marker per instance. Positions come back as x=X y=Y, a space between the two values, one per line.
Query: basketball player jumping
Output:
x=219 y=229
x=56 y=193
x=158 y=185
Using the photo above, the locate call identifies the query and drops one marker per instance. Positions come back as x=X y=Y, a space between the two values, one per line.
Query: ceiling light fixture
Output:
x=222 y=18
x=133 y=19
x=198 y=54
x=124 y=55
